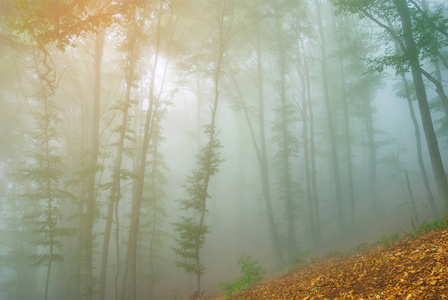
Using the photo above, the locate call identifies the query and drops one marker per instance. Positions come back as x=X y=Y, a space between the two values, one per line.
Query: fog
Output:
x=147 y=145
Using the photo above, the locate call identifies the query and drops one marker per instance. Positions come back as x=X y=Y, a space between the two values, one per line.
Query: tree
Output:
x=19 y=238
x=133 y=33
x=341 y=30
x=411 y=53
x=90 y=204
x=329 y=116
x=260 y=146
x=45 y=169
x=308 y=143
x=192 y=230
x=287 y=143
x=409 y=59
x=59 y=22
x=149 y=134
x=407 y=93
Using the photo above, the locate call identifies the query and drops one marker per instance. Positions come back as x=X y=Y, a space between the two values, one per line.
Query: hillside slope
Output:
x=409 y=269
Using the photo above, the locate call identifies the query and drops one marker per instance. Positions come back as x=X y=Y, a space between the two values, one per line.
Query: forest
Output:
x=148 y=145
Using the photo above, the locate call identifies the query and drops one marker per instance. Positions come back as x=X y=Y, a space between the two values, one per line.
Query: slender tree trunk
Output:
x=348 y=149
x=137 y=197
x=240 y=180
x=261 y=151
x=79 y=282
x=431 y=139
x=114 y=195
x=139 y=122
x=329 y=115
x=411 y=198
x=440 y=79
x=303 y=71
x=368 y=118
x=312 y=152
x=263 y=160
x=418 y=141
x=90 y=209
x=223 y=40
x=199 y=99
x=306 y=158
x=49 y=196
x=430 y=198
x=347 y=132
x=346 y=117
x=117 y=247
x=152 y=247
x=285 y=148
x=211 y=142
x=156 y=215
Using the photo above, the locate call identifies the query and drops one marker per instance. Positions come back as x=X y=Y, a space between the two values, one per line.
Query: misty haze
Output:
x=151 y=149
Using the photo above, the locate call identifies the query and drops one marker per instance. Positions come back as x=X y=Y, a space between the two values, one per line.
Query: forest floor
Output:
x=410 y=268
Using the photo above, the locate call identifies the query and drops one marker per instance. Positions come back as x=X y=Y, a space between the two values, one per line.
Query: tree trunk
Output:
x=305 y=96
x=411 y=198
x=263 y=160
x=331 y=124
x=431 y=139
x=261 y=151
x=285 y=149
x=430 y=198
x=368 y=118
x=152 y=247
x=312 y=152
x=348 y=147
x=306 y=158
x=138 y=193
x=95 y=135
x=49 y=196
x=114 y=195
x=440 y=79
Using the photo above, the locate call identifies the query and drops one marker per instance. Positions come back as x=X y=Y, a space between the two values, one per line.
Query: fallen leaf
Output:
x=419 y=267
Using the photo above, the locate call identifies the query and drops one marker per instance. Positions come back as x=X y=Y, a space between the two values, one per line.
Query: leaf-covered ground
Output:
x=409 y=269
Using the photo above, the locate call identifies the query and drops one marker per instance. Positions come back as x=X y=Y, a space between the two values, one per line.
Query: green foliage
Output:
x=252 y=273
x=44 y=172
x=430 y=226
x=397 y=61
x=288 y=189
x=192 y=230
x=208 y=161
x=429 y=30
x=191 y=239
x=388 y=239
x=18 y=243
x=153 y=212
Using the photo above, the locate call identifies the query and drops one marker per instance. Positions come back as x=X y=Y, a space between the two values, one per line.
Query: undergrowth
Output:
x=428 y=226
x=252 y=273
x=388 y=239
x=300 y=259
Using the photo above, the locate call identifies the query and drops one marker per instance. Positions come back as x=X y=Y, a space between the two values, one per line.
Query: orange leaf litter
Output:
x=409 y=269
